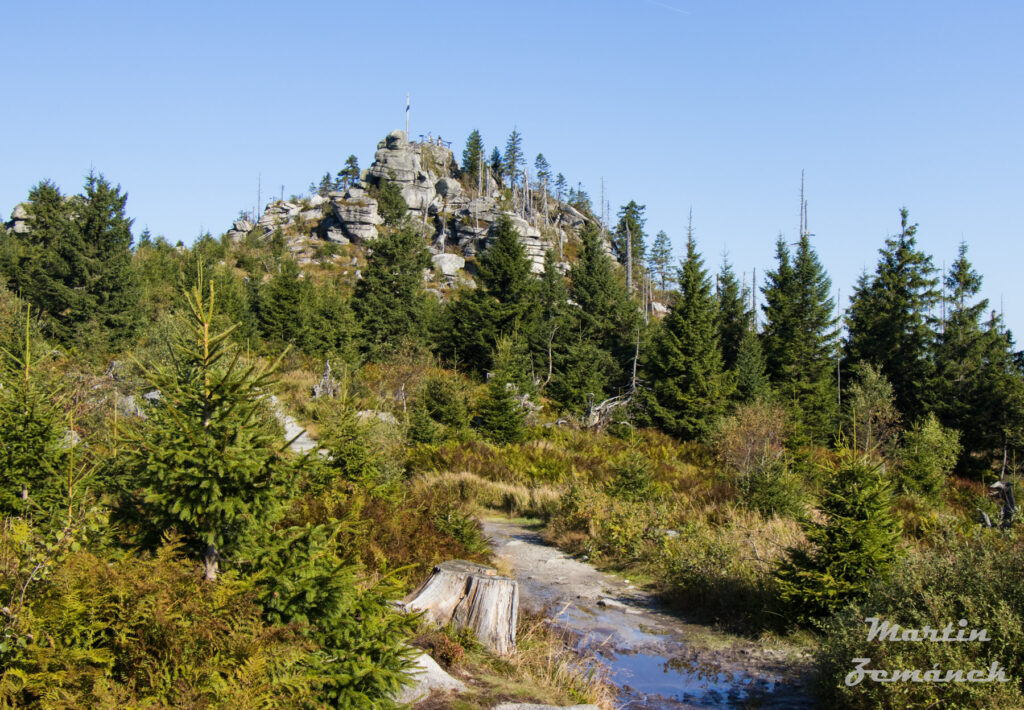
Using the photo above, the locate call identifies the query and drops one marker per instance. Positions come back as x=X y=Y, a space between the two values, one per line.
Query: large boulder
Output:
x=476 y=231
x=356 y=215
x=396 y=160
x=448 y=265
x=415 y=167
x=427 y=678
x=278 y=213
x=19 y=220
x=239 y=229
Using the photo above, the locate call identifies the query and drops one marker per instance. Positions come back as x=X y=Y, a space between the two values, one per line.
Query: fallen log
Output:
x=471 y=596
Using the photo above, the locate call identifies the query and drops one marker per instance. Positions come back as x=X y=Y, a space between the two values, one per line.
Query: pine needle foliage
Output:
x=32 y=430
x=205 y=462
x=854 y=546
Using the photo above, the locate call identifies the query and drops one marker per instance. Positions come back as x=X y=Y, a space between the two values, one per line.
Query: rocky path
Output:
x=301 y=442
x=658 y=660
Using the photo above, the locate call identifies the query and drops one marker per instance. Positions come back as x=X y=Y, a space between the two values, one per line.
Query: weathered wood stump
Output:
x=471 y=596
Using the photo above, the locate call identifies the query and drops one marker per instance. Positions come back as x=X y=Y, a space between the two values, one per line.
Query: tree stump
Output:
x=474 y=597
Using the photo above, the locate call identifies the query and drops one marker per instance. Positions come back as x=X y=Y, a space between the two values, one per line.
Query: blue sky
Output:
x=676 y=103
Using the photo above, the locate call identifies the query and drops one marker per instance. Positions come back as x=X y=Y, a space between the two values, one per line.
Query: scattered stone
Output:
x=610 y=603
x=428 y=677
x=386 y=417
x=127 y=407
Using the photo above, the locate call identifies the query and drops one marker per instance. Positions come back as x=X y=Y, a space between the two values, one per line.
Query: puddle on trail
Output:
x=653 y=681
x=659 y=673
x=651 y=656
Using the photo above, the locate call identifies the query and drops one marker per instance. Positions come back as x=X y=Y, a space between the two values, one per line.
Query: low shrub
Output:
x=973 y=577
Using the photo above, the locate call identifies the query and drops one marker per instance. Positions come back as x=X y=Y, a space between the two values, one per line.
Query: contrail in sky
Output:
x=668 y=7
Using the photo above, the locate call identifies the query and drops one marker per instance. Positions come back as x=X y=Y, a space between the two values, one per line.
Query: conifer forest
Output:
x=223 y=464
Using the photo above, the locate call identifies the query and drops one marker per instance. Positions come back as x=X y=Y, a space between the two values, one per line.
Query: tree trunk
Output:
x=490 y=609
x=471 y=596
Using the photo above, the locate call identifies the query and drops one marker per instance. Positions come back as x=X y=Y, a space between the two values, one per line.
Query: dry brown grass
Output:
x=511 y=498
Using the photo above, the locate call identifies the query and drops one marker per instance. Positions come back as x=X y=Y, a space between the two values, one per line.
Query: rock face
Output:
x=19 y=220
x=277 y=214
x=356 y=215
x=239 y=229
x=415 y=167
x=475 y=230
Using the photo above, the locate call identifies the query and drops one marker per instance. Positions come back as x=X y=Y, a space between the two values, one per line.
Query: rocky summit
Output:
x=457 y=214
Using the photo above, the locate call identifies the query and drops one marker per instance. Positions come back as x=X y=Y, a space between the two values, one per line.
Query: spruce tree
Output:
x=40 y=264
x=497 y=164
x=686 y=390
x=555 y=317
x=74 y=263
x=888 y=321
x=105 y=233
x=472 y=155
x=735 y=318
x=391 y=206
x=556 y=322
x=281 y=304
x=560 y=184
x=502 y=417
x=631 y=223
x=512 y=163
x=33 y=457
x=659 y=261
x=505 y=301
x=389 y=299
x=854 y=545
x=978 y=383
x=607 y=316
x=750 y=376
x=961 y=353
x=542 y=169
x=505 y=274
x=799 y=338
x=329 y=326
x=780 y=317
x=205 y=461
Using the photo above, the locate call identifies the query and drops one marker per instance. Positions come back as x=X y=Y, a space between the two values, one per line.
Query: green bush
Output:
x=632 y=479
x=444 y=402
x=856 y=543
x=928 y=454
x=770 y=488
x=975 y=578
x=306 y=579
